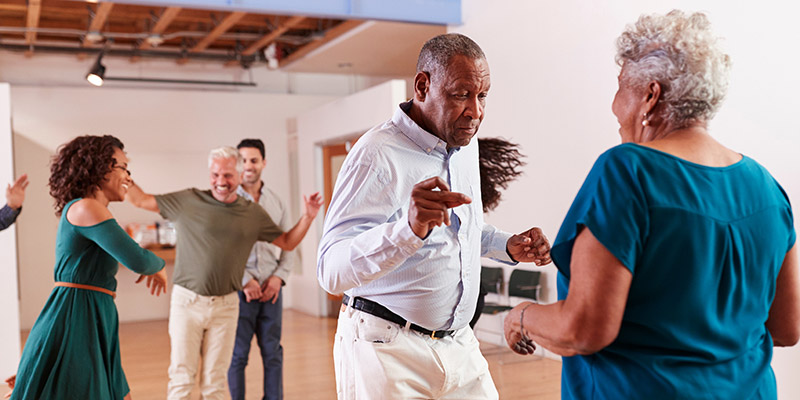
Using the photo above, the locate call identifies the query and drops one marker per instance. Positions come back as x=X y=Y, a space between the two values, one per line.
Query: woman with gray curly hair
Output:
x=678 y=268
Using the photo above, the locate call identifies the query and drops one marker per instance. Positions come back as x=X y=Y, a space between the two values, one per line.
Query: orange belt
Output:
x=87 y=287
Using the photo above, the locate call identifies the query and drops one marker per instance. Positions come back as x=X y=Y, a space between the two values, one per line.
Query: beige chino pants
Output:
x=201 y=327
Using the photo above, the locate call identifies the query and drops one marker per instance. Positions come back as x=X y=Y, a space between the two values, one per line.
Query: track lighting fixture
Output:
x=96 y=75
x=97 y=72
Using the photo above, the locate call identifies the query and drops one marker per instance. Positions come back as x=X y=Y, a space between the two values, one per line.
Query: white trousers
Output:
x=200 y=326
x=376 y=359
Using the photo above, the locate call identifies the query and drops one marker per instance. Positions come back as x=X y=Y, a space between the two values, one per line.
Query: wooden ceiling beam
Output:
x=164 y=20
x=331 y=34
x=20 y=8
x=258 y=21
x=34 y=9
x=223 y=27
x=270 y=37
x=100 y=16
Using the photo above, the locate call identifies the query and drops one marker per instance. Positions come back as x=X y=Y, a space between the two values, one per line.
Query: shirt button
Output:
x=428 y=149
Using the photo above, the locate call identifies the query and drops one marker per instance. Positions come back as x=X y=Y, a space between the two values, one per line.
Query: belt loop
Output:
x=407 y=327
x=350 y=310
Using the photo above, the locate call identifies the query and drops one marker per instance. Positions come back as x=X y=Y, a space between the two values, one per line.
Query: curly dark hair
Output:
x=499 y=161
x=80 y=166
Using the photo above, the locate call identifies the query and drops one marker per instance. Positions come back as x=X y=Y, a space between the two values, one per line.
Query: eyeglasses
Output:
x=122 y=168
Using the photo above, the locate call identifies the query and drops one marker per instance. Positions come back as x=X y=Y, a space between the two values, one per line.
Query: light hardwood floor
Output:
x=308 y=363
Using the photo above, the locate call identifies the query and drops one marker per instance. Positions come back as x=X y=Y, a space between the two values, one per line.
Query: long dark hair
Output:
x=80 y=166
x=500 y=163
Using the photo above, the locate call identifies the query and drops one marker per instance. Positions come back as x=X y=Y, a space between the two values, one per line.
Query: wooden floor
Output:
x=308 y=363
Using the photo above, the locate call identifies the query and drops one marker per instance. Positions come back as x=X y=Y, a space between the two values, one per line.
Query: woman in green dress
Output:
x=72 y=351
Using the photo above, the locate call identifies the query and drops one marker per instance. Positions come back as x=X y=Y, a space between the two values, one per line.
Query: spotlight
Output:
x=96 y=73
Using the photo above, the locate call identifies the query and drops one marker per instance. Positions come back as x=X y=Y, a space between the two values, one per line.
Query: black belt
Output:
x=371 y=307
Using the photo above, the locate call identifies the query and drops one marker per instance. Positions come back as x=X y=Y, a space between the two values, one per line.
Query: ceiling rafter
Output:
x=164 y=20
x=34 y=9
x=221 y=28
x=329 y=35
x=99 y=19
x=270 y=37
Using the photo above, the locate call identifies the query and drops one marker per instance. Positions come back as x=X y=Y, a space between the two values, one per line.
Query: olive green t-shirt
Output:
x=214 y=239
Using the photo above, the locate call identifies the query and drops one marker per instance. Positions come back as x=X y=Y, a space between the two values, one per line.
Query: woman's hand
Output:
x=10 y=381
x=156 y=282
x=516 y=338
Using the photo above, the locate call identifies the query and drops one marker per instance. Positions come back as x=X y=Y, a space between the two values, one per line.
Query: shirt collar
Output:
x=244 y=193
x=425 y=140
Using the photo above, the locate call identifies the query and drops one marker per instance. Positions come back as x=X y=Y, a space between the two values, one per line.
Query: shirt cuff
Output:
x=14 y=211
x=281 y=274
x=499 y=248
x=405 y=239
x=247 y=278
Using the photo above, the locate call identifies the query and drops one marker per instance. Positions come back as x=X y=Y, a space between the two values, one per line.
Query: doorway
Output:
x=333 y=156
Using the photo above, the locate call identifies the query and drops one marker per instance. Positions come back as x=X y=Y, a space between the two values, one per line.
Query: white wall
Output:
x=343 y=118
x=554 y=77
x=167 y=135
x=9 y=312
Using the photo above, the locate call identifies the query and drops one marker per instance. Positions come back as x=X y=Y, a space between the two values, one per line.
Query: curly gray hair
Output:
x=226 y=152
x=679 y=52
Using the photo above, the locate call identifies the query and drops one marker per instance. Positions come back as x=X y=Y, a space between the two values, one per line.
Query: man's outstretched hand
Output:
x=530 y=246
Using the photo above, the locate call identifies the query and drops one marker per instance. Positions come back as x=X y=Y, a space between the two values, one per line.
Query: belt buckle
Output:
x=433 y=335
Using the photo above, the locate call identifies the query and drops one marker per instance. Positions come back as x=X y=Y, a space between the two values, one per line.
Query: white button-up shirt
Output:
x=368 y=248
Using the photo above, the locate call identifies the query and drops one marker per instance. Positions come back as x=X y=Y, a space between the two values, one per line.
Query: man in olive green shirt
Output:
x=216 y=229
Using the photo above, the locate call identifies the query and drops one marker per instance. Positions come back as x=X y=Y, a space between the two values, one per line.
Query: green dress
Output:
x=72 y=351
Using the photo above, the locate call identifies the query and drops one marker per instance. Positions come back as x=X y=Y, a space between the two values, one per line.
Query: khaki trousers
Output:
x=200 y=327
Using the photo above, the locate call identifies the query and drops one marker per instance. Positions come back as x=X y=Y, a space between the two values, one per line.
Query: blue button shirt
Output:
x=368 y=248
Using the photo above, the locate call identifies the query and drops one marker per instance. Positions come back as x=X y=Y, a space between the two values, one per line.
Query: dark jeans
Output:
x=264 y=321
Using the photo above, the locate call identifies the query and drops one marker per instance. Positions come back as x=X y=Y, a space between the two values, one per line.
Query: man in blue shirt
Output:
x=403 y=238
x=15 y=195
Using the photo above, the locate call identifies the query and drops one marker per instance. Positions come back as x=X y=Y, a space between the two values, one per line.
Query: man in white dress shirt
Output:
x=403 y=238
